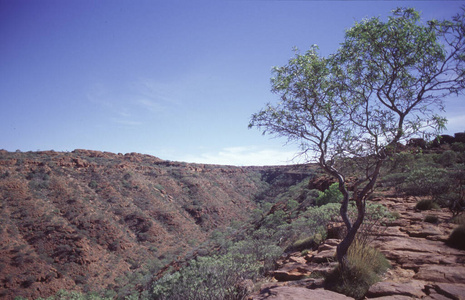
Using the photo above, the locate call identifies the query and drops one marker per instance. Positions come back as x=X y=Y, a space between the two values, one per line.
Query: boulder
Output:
x=326 y=252
x=446 y=139
x=460 y=137
x=321 y=183
x=417 y=143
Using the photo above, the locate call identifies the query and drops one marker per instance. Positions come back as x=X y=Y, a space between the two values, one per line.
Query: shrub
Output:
x=93 y=184
x=302 y=244
x=402 y=161
x=365 y=265
x=394 y=179
x=426 y=204
x=447 y=158
x=215 y=277
x=331 y=195
x=73 y=295
x=431 y=219
x=458 y=147
x=426 y=181
x=457 y=238
x=318 y=218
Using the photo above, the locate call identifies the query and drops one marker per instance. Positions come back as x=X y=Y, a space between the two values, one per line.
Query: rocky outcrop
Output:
x=423 y=266
x=417 y=143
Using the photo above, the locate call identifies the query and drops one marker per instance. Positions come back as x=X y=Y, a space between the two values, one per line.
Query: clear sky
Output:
x=174 y=79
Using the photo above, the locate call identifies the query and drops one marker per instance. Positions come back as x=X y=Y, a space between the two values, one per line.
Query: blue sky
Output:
x=174 y=79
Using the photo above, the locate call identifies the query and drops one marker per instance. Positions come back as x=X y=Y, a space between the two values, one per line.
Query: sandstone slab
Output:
x=292 y=271
x=452 y=291
x=324 y=256
x=297 y=293
x=441 y=274
x=396 y=297
x=387 y=288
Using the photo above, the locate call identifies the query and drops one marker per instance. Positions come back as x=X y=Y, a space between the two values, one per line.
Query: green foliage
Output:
x=73 y=295
x=457 y=238
x=215 y=277
x=446 y=187
x=302 y=244
x=331 y=195
x=458 y=147
x=426 y=181
x=426 y=204
x=93 y=184
x=276 y=219
x=447 y=158
x=364 y=267
x=402 y=161
x=431 y=219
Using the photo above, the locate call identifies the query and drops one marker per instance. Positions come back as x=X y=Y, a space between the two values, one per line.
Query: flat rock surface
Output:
x=454 y=291
x=297 y=293
x=423 y=266
x=389 y=288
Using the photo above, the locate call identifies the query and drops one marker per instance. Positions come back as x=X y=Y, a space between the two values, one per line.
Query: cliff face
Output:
x=90 y=220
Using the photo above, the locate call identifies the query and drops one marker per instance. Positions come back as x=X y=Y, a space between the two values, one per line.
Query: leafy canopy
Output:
x=382 y=86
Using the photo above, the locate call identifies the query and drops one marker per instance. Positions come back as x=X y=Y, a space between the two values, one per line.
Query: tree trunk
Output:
x=360 y=201
x=343 y=247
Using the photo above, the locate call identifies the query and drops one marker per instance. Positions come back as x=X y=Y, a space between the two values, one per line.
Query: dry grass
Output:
x=365 y=265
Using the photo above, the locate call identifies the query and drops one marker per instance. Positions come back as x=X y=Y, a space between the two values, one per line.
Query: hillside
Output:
x=90 y=221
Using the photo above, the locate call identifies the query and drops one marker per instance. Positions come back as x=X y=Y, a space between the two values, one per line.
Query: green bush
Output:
x=447 y=158
x=302 y=244
x=431 y=219
x=426 y=181
x=402 y=161
x=426 y=204
x=364 y=267
x=331 y=195
x=73 y=295
x=394 y=179
x=215 y=277
x=458 y=147
x=457 y=238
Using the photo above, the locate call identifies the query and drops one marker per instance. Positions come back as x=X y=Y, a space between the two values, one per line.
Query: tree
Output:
x=382 y=87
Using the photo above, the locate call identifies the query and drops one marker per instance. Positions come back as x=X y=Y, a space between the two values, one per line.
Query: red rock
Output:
x=453 y=291
x=292 y=271
x=396 y=297
x=297 y=293
x=324 y=256
x=441 y=274
x=387 y=288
